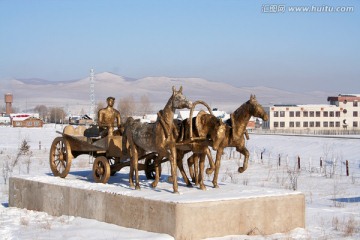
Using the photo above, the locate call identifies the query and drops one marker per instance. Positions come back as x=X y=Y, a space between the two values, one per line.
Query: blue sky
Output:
x=230 y=41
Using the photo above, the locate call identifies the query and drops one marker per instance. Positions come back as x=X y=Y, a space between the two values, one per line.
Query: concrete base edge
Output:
x=260 y=215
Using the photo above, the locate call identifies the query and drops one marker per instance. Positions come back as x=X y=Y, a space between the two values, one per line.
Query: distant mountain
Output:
x=75 y=95
x=39 y=81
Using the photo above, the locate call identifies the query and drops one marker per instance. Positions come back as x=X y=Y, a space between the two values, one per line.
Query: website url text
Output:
x=281 y=8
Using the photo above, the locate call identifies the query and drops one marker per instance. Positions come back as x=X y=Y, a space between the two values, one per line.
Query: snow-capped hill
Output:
x=35 y=81
x=16 y=82
x=109 y=77
x=158 y=89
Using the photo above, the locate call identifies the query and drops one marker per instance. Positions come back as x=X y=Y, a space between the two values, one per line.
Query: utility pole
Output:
x=92 y=94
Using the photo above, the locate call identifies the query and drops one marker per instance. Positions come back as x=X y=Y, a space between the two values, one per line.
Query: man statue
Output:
x=108 y=118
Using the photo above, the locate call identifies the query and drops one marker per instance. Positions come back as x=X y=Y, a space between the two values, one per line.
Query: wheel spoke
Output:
x=63 y=164
x=101 y=170
x=60 y=157
x=57 y=162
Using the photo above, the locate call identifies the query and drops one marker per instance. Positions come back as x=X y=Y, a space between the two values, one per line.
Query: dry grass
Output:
x=351 y=227
x=46 y=225
x=347 y=226
x=24 y=221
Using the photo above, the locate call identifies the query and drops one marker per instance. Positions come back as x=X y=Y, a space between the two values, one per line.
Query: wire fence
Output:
x=332 y=132
x=328 y=167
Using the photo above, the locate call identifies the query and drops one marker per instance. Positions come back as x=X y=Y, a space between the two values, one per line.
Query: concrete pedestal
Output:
x=192 y=214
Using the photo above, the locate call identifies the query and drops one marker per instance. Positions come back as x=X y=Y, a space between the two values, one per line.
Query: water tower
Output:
x=8 y=102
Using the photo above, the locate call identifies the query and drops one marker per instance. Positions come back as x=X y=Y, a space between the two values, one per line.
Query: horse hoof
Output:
x=202 y=187
x=131 y=185
x=209 y=171
x=176 y=192
x=189 y=185
x=241 y=170
x=153 y=185
x=216 y=186
x=137 y=187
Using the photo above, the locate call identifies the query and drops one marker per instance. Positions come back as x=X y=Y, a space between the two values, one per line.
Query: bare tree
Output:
x=42 y=110
x=99 y=106
x=57 y=115
x=14 y=109
x=127 y=107
x=11 y=162
x=25 y=151
x=6 y=169
x=145 y=106
x=293 y=175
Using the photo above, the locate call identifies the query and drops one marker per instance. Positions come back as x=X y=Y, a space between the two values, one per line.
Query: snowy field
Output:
x=278 y=168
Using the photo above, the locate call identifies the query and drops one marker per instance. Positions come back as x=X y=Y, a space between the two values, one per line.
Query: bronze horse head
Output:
x=255 y=109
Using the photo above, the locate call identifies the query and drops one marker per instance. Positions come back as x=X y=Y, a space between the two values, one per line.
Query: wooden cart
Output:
x=107 y=151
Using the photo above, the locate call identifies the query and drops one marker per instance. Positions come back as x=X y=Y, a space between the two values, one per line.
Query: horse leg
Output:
x=157 y=163
x=131 y=173
x=136 y=168
x=196 y=168
x=217 y=167
x=190 y=162
x=211 y=169
x=174 y=168
x=201 y=171
x=246 y=154
x=180 y=156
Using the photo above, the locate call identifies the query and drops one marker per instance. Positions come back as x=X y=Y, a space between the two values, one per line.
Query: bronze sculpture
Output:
x=209 y=131
x=235 y=136
x=108 y=118
x=107 y=150
x=165 y=140
x=155 y=137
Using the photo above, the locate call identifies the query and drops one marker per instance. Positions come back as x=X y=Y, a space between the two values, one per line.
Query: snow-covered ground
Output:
x=325 y=218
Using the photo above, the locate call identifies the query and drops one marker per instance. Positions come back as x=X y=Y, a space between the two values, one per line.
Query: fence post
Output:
x=279 y=160
x=39 y=145
x=347 y=168
x=299 y=162
x=320 y=163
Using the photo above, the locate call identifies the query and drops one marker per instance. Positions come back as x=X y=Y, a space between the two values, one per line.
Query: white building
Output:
x=5 y=120
x=341 y=113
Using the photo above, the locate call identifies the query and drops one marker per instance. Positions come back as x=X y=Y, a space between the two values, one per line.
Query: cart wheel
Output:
x=60 y=157
x=149 y=167
x=101 y=170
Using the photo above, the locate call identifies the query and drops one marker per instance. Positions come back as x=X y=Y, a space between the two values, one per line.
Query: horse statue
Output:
x=155 y=137
x=209 y=131
x=235 y=134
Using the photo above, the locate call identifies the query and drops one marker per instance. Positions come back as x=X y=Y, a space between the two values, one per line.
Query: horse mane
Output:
x=244 y=108
x=240 y=117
